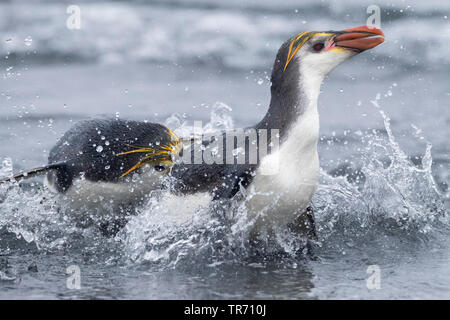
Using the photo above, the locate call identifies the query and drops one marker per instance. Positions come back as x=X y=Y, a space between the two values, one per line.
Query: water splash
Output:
x=32 y=218
x=220 y=119
x=29 y=216
x=394 y=199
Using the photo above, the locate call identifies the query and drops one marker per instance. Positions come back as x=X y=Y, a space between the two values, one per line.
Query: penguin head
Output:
x=316 y=53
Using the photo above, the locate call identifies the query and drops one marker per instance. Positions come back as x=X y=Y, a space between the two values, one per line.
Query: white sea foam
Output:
x=240 y=35
x=394 y=201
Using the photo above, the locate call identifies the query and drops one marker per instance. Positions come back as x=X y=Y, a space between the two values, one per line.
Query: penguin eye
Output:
x=160 y=168
x=318 y=46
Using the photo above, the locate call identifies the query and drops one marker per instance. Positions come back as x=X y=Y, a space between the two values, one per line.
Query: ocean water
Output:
x=383 y=198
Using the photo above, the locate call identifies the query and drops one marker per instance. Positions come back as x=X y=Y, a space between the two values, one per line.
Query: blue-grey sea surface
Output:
x=383 y=201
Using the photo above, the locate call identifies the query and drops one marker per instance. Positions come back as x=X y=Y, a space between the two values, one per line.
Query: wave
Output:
x=229 y=35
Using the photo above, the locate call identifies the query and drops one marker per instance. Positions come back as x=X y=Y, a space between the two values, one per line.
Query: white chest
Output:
x=278 y=197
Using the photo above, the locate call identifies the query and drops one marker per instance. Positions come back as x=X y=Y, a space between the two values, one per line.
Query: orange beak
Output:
x=359 y=38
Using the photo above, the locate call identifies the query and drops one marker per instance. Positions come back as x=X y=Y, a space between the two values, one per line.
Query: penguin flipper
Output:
x=34 y=172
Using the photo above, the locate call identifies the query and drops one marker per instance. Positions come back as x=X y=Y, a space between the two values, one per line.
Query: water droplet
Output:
x=107 y=167
x=102 y=137
x=99 y=149
x=28 y=41
x=106 y=143
x=260 y=81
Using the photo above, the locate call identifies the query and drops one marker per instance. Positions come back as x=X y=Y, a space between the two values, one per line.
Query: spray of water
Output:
x=395 y=198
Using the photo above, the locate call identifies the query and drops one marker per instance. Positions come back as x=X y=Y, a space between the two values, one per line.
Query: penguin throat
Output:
x=292 y=101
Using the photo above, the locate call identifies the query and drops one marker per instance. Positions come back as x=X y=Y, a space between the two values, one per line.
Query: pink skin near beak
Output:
x=358 y=39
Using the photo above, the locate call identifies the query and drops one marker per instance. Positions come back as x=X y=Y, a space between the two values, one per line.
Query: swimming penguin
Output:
x=128 y=159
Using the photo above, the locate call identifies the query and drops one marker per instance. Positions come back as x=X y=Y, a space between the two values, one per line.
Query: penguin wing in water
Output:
x=34 y=172
x=222 y=180
x=221 y=177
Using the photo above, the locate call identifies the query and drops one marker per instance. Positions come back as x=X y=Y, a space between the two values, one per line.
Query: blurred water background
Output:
x=384 y=148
